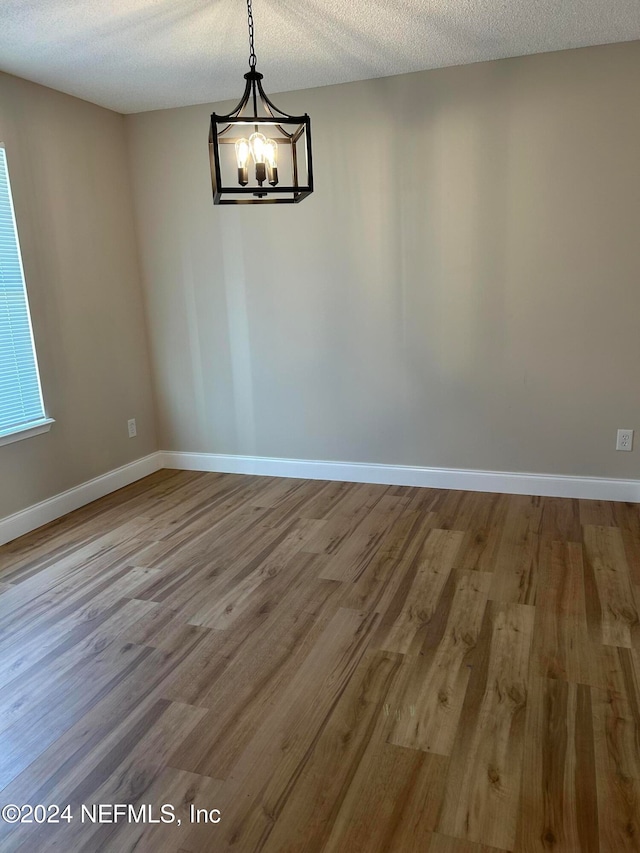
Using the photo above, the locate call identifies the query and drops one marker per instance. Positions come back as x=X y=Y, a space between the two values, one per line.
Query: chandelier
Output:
x=259 y=154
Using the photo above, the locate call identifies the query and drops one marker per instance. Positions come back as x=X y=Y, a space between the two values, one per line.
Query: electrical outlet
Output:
x=131 y=426
x=625 y=439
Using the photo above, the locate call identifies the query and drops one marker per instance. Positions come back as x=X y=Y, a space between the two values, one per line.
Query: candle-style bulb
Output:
x=243 y=151
x=271 y=156
x=257 y=142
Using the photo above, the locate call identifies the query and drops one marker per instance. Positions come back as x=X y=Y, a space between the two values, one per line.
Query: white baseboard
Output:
x=551 y=485
x=548 y=485
x=41 y=513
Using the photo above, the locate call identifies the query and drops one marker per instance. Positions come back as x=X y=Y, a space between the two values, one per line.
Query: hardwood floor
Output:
x=334 y=667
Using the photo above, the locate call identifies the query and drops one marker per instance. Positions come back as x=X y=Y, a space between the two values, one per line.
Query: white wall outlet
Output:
x=131 y=426
x=625 y=439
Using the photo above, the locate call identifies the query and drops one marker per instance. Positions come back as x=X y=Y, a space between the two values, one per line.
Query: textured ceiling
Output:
x=135 y=55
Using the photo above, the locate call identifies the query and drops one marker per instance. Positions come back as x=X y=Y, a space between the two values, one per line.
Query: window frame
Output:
x=18 y=432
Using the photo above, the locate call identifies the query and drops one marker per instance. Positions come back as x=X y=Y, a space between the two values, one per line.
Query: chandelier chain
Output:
x=252 y=51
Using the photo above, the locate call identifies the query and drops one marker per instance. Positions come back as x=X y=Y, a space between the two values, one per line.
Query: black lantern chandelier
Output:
x=259 y=154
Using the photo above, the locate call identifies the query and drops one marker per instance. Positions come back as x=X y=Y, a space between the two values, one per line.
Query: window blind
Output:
x=20 y=394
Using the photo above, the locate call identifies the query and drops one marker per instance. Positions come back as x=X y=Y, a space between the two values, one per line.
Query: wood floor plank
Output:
x=559 y=803
x=29 y=554
x=125 y=775
x=344 y=518
x=445 y=844
x=324 y=499
x=377 y=585
x=248 y=680
x=161 y=628
x=39 y=645
x=403 y=788
x=516 y=565
x=183 y=791
x=40 y=598
x=605 y=552
x=275 y=490
x=433 y=567
x=233 y=526
x=29 y=736
x=126 y=711
x=259 y=783
x=483 y=784
x=226 y=609
x=562 y=646
x=335 y=666
x=560 y=520
x=296 y=502
x=436 y=684
x=76 y=651
x=348 y=562
x=355 y=727
x=482 y=518
x=221 y=557
x=627 y=519
x=631 y=539
x=617 y=756
x=599 y=513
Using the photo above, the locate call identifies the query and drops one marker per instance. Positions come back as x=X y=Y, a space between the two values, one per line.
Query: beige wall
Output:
x=462 y=290
x=71 y=188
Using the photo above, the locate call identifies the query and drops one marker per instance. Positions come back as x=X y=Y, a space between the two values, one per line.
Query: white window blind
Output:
x=20 y=394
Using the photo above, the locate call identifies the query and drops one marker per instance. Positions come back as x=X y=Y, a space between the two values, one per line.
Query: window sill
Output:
x=26 y=431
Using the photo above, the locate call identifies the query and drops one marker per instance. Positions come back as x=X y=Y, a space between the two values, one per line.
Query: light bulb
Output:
x=271 y=156
x=242 y=157
x=271 y=152
x=257 y=142
x=242 y=152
